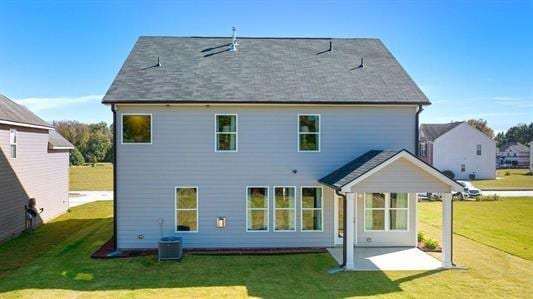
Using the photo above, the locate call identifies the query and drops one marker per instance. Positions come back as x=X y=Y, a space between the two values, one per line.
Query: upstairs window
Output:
x=423 y=150
x=309 y=133
x=13 y=143
x=226 y=133
x=478 y=149
x=463 y=167
x=137 y=128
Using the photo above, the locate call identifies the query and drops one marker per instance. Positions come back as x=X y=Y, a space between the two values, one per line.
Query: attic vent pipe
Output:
x=362 y=64
x=234 y=40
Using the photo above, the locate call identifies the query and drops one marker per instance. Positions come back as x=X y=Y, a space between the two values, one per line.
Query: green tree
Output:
x=522 y=133
x=76 y=158
x=481 y=125
x=97 y=147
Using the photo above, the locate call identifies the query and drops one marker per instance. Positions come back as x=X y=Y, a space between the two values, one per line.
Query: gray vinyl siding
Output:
x=36 y=173
x=182 y=153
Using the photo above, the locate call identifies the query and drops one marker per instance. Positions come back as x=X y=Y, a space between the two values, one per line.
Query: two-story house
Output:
x=264 y=142
x=513 y=154
x=460 y=148
x=34 y=169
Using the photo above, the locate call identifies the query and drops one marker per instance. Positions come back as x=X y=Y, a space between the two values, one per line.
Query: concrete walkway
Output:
x=77 y=198
x=389 y=259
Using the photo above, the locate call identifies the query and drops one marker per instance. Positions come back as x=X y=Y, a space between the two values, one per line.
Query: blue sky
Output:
x=472 y=59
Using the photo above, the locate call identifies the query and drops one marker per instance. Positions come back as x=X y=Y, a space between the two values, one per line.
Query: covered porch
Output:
x=378 y=194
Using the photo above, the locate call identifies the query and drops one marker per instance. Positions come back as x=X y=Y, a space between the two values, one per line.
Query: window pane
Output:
x=257 y=198
x=312 y=220
x=284 y=197
x=398 y=219
x=284 y=219
x=308 y=123
x=311 y=197
x=186 y=221
x=374 y=219
x=398 y=200
x=226 y=123
x=375 y=200
x=13 y=153
x=136 y=129
x=309 y=142
x=226 y=142
x=186 y=198
x=257 y=219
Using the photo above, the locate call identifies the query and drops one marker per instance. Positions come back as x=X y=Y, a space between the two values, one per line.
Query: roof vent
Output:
x=362 y=63
x=234 y=43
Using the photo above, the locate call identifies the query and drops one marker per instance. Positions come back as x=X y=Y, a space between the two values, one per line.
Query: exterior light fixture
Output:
x=221 y=222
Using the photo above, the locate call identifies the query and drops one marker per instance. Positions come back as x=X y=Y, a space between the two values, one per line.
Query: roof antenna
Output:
x=158 y=63
x=362 y=63
x=234 y=40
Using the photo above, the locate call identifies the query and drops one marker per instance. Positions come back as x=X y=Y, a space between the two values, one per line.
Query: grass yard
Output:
x=54 y=262
x=505 y=224
x=88 y=178
x=518 y=179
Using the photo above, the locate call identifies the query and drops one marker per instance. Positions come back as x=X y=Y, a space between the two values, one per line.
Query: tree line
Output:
x=522 y=133
x=93 y=142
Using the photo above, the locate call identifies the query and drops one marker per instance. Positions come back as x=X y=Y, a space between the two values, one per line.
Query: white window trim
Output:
x=122 y=128
x=319 y=133
x=236 y=133
x=275 y=208
x=267 y=210
x=480 y=150
x=302 y=209
x=14 y=131
x=176 y=210
x=386 y=213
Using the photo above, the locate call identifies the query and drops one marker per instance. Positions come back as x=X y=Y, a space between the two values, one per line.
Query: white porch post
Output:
x=447 y=231
x=349 y=234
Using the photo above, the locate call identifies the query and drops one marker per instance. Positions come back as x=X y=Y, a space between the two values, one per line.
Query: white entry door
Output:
x=339 y=220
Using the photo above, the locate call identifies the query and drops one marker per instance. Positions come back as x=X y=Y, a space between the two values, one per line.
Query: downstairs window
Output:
x=386 y=211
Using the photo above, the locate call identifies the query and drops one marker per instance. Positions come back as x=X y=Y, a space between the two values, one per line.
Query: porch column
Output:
x=447 y=231
x=349 y=233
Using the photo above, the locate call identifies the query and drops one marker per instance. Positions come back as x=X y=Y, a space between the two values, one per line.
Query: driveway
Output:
x=76 y=198
x=510 y=193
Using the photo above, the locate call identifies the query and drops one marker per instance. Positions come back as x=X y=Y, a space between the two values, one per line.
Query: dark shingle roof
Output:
x=56 y=141
x=430 y=132
x=357 y=167
x=516 y=145
x=263 y=70
x=13 y=112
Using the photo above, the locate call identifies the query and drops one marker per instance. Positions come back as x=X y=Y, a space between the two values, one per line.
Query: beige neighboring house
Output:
x=34 y=161
x=513 y=155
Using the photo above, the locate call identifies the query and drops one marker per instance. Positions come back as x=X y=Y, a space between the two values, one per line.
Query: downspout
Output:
x=417 y=128
x=345 y=222
x=115 y=235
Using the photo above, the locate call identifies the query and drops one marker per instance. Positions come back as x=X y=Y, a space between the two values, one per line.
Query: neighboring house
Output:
x=262 y=144
x=513 y=154
x=34 y=162
x=531 y=157
x=459 y=148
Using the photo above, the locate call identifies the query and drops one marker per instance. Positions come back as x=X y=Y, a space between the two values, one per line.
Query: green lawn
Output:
x=54 y=262
x=89 y=178
x=506 y=224
x=518 y=179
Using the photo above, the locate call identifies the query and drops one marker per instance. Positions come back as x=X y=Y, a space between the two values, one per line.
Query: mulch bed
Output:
x=106 y=251
x=425 y=249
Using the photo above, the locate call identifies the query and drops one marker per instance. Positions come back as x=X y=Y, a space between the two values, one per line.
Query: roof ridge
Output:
x=262 y=37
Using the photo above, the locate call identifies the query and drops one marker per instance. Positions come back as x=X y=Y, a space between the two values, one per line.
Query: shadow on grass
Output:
x=59 y=259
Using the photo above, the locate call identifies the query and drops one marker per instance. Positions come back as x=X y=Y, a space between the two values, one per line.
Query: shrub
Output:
x=76 y=158
x=449 y=174
x=492 y=197
x=507 y=173
x=431 y=244
x=421 y=237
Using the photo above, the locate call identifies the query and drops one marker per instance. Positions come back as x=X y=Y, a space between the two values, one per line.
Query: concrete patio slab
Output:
x=389 y=259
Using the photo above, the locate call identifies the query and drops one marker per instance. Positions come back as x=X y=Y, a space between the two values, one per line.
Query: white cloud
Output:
x=41 y=104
